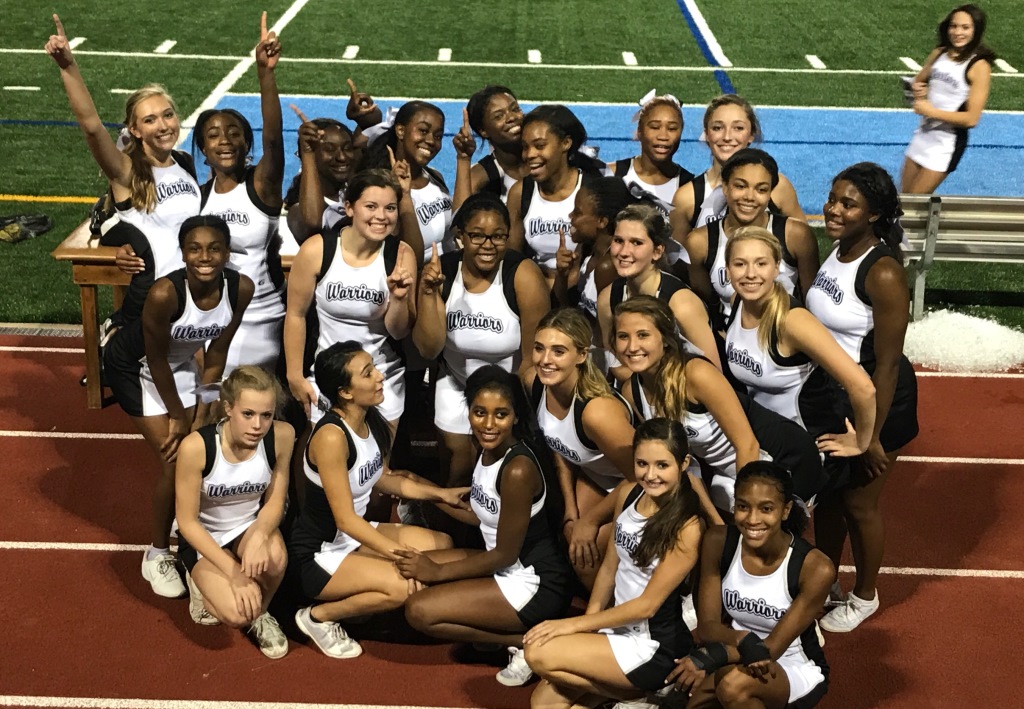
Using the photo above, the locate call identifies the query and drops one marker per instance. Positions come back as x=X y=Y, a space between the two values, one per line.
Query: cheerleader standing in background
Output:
x=950 y=93
x=492 y=113
x=316 y=198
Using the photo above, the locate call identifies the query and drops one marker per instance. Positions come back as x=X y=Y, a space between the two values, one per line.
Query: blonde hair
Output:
x=776 y=307
x=143 y=186
x=250 y=376
x=670 y=385
x=590 y=383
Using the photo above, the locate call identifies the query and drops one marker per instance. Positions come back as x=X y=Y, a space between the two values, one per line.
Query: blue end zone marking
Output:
x=720 y=76
x=810 y=145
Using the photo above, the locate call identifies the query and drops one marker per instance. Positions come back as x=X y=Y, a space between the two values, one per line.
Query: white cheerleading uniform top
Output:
x=231 y=493
x=716 y=265
x=434 y=215
x=948 y=89
x=334 y=210
x=630 y=579
x=542 y=222
x=666 y=192
x=195 y=327
x=481 y=328
x=563 y=438
x=485 y=499
x=363 y=474
x=838 y=299
x=708 y=205
x=177 y=199
x=588 y=289
x=253 y=227
x=351 y=303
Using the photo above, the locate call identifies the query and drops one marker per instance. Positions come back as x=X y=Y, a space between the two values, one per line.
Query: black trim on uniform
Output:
x=699 y=188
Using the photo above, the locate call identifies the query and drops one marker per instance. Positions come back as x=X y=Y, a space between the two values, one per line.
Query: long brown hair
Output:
x=776 y=308
x=143 y=185
x=590 y=383
x=670 y=386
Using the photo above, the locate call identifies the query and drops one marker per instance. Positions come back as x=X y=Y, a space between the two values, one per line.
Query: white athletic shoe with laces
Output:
x=269 y=637
x=844 y=618
x=331 y=638
x=196 y=605
x=163 y=575
x=517 y=673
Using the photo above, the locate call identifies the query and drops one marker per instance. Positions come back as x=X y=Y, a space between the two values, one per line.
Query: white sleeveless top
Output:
x=434 y=215
x=177 y=199
x=253 y=227
x=563 y=439
x=542 y=222
x=719 y=274
x=230 y=493
x=665 y=192
x=485 y=499
x=947 y=89
x=351 y=303
x=834 y=300
x=481 y=329
x=630 y=579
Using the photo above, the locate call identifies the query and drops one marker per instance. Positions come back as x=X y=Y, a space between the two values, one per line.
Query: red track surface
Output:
x=84 y=623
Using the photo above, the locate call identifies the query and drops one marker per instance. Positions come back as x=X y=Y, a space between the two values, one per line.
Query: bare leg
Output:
x=576 y=666
x=458 y=456
x=589 y=496
x=154 y=430
x=867 y=531
x=920 y=180
x=470 y=610
x=830 y=527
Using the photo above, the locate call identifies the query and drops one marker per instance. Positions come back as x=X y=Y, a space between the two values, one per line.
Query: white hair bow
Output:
x=374 y=132
x=650 y=96
x=591 y=151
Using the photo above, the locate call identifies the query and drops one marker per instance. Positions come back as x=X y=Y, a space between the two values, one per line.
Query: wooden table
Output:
x=93 y=265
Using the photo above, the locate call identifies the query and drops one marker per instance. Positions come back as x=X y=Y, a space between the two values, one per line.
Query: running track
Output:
x=82 y=629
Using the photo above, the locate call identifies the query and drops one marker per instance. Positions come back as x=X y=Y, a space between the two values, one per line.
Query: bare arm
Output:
x=786 y=200
x=707 y=386
x=270 y=168
x=534 y=303
x=401 y=312
x=430 y=330
x=216 y=355
x=801 y=243
x=696 y=243
x=980 y=77
x=682 y=212
x=301 y=288
x=692 y=318
x=516 y=234
x=465 y=171
x=606 y=422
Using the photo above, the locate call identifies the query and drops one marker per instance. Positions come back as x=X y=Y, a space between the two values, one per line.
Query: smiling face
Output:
x=660 y=131
x=334 y=156
x=485 y=237
x=374 y=213
x=638 y=343
x=251 y=416
x=760 y=511
x=543 y=151
x=555 y=357
x=205 y=253
x=155 y=123
x=503 y=121
x=420 y=139
x=633 y=251
x=727 y=131
x=752 y=269
x=847 y=212
x=747 y=192
x=961 y=30
x=224 y=144
x=585 y=222
x=657 y=470
x=491 y=418
x=366 y=388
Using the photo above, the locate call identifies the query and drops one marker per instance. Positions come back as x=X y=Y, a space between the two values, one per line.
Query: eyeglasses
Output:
x=477 y=239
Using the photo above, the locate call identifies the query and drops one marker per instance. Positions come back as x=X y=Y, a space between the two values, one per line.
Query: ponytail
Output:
x=143 y=184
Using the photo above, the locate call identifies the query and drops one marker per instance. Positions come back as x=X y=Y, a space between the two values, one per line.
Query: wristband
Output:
x=752 y=649
x=709 y=658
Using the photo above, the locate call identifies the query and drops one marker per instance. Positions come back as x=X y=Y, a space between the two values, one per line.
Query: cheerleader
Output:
x=249 y=200
x=150 y=366
x=949 y=93
x=316 y=198
x=492 y=113
x=641 y=240
x=360 y=281
x=479 y=305
x=626 y=643
x=231 y=482
x=539 y=205
x=860 y=295
x=347 y=564
x=587 y=425
x=748 y=178
x=521 y=578
x=768 y=583
x=730 y=124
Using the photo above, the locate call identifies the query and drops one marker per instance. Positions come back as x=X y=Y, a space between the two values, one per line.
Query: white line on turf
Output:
x=1005 y=66
x=351 y=52
x=815 y=61
x=76 y=41
x=501 y=65
x=707 y=34
x=911 y=64
x=21 y=88
x=533 y=56
x=16 y=700
x=165 y=46
x=444 y=54
x=237 y=72
x=68 y=350
x=122 y=91
x=79 y=435
x=629 y=59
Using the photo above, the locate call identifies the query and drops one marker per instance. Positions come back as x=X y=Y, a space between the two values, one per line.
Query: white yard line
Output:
x=76 y=42
x=707 y=35
x=21 y=88
x=533 y=56
x=444 y=54
x=165 y=46
x=351 y=52
x=815 y=61
x=911 y=64
x=1005 y=66
x=629 y=59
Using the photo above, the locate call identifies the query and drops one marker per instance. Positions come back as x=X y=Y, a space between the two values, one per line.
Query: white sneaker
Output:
x=689 y=612
x=331 y=638
x=196 y=606
x=846 y=617
x=517 y=673
x=163 y=575
x=641 y=703
x=836 y=596
x=269 y=637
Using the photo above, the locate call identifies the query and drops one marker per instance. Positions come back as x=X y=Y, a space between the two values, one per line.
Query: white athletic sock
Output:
x=153 y=553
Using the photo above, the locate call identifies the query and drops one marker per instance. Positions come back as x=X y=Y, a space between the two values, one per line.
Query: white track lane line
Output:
x=67 y=350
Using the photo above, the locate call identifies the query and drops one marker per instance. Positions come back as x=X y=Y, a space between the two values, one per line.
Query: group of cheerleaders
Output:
x=623 y=358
